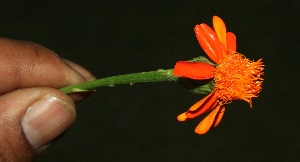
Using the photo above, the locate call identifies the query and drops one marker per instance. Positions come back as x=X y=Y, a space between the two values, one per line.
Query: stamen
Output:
x=238 y=78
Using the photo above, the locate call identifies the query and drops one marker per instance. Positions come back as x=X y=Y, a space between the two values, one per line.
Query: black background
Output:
x=138 y=123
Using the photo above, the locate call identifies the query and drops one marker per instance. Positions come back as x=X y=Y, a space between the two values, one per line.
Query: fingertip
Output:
x=81 y=70
x=46 y=118
x=30 y=119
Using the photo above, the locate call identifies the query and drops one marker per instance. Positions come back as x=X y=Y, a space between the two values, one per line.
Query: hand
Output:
x=32 y=110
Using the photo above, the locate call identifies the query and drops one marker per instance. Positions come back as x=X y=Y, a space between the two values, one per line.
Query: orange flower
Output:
x=235 y=76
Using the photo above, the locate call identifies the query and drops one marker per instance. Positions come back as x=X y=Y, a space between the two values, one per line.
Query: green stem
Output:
x=152 y=76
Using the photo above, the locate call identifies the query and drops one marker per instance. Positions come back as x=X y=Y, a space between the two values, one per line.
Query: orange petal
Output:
x=219 y=116
x=231 y=42
x=203 y=106
x=207 y=122
x=194 y=70
x=209 y=42
x=181 y=117
x=220 y=29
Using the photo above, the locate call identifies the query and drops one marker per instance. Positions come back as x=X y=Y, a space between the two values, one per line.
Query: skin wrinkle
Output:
x=6 y=70
x=8 y=142
x=7 y=151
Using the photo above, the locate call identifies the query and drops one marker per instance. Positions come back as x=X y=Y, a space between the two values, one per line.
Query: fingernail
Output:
x=82 y=71
x=46 y=119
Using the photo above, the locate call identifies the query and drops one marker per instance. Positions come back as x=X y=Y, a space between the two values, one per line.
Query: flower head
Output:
x=235 y=76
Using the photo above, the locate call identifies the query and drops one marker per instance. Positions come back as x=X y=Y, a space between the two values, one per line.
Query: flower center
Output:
x=238 y=78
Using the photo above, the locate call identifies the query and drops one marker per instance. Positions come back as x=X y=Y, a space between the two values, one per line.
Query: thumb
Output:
x=30 y=119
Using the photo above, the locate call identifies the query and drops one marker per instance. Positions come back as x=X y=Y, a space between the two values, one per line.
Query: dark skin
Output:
x=28 y=73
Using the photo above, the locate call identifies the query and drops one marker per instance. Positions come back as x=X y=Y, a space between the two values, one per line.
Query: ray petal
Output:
x=194 y=70
x=231 y=42
x=209 y=42
x=219 y=116
x=220 y=29
x=203 y=106
x=207 y=122
x=182 y=117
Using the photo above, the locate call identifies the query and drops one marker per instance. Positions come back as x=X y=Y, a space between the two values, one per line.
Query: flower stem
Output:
x=152 y=76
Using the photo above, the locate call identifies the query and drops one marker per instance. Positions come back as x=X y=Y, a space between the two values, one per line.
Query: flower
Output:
x=235 y=76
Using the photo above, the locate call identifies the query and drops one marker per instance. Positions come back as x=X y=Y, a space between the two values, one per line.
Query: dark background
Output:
x=138 y=123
